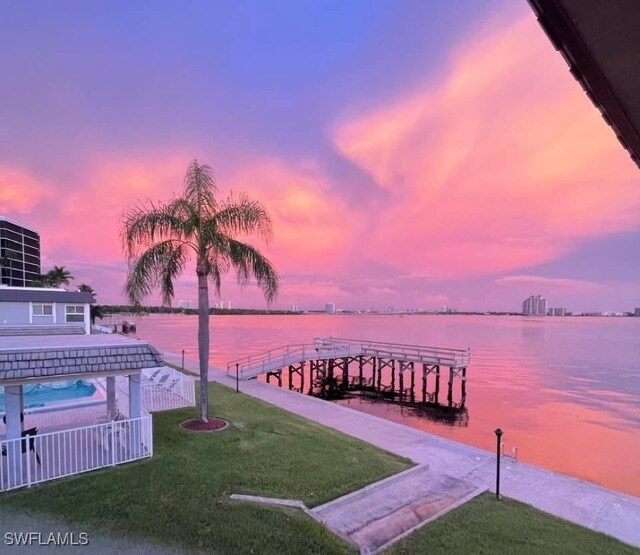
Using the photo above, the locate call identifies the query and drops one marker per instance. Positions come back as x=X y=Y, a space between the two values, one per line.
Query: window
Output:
x=75 y=312
x=43 y=310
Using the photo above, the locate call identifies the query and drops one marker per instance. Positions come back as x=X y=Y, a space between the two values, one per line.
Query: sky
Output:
x=411 y=154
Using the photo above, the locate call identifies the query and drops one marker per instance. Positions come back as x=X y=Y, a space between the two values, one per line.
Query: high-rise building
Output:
x=535 y=306
x=557 y=311
x=330 y=308
x=295 y=308
x=19 y=253
x=185 y=304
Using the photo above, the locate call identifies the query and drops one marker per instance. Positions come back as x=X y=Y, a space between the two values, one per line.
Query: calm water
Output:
x=566 y=391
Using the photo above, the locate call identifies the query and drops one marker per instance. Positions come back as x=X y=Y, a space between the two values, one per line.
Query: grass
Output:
x=485 y=525
x=180 y=497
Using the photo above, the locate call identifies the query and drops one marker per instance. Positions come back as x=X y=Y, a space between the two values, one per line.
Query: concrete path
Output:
x=382 y=513
x=590 y=505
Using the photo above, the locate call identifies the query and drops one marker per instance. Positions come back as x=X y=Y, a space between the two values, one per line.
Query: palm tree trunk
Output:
x=203 y=343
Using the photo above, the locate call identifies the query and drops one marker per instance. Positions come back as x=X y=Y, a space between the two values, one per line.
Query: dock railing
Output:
x=270 y=360
x=455 y=358
x=333 y=347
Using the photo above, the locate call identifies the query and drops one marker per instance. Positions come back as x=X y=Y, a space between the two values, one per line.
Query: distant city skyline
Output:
x=408 y=152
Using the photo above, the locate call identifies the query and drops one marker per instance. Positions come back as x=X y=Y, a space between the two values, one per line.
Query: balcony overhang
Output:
x=600 y=42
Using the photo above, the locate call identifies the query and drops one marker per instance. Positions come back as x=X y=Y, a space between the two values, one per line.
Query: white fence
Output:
x=166 y=388
x=161 y=388
x=38 y=458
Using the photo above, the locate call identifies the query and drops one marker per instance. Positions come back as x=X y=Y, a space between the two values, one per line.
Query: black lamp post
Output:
x=498 y=433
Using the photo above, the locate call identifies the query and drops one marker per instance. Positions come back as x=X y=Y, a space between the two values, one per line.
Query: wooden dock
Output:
x=334 y=368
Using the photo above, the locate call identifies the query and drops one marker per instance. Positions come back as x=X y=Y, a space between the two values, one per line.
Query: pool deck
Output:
x=611 y=512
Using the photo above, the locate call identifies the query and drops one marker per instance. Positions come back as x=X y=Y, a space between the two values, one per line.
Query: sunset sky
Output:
x=412 y=154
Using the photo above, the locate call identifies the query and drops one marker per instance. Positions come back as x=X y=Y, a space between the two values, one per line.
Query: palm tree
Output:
x=59 y=275
x=84 y=288
x=95 y=311
x=159 y=240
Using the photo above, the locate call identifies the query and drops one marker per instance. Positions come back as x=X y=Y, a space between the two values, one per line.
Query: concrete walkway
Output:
x=595 y=507
x=377 y=515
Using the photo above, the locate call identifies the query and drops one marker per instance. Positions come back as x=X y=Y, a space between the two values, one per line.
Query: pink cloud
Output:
x=503 y=164
x=556 y=284
x=314 y=229
x=304 y=213
x=20 y=190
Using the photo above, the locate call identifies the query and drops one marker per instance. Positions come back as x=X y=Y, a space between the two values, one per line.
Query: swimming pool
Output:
x=43 y=394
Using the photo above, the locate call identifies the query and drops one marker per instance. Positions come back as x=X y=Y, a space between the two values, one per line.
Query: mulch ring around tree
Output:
x=196 y=425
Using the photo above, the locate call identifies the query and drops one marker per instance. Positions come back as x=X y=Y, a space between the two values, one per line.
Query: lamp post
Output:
x=237 y=386
x=498 y=433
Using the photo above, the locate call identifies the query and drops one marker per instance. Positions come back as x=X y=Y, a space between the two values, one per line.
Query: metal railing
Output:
x=514 y=453
x=167 y=389
x=455 y=358
x=39 y=458
x=273 y=359
x=324 y=347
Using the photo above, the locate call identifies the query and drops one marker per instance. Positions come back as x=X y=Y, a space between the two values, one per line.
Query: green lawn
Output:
x=181 y=496
x=485 y=525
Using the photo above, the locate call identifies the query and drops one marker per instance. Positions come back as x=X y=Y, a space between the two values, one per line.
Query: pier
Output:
x=336 y=368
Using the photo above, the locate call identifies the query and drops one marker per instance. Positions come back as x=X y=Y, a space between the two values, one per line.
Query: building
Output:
x=44 y=311
x=295 y=308
x=19 y=253
x=330 y=308
x=185 y=305
x=535 y=306
x=76 y=446
x=636 y=312
x=558 y=312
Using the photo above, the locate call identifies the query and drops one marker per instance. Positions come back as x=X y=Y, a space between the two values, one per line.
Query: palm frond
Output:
x=144 y=224
x=239 y=214
x=159 y=265
x=250 y=263
x=200 y=187
x=217 y=267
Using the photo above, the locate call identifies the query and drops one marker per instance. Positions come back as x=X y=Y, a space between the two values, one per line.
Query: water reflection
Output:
x=565 y=390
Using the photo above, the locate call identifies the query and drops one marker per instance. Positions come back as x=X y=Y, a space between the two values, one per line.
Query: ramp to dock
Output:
x=378 y=515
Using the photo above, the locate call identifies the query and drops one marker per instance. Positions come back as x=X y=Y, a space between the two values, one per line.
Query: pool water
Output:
x=42 y=394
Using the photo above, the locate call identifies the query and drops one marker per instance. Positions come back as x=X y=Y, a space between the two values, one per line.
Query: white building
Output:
x=43 y=310
x=330 y=308
x=185 y=305
x=535 y=306
x=560 y=311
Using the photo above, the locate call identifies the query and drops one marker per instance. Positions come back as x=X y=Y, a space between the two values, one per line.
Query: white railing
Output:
x=271 y=360
x=39 y=458
x=324 y=347
x=167 y=389
x=456 y=358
